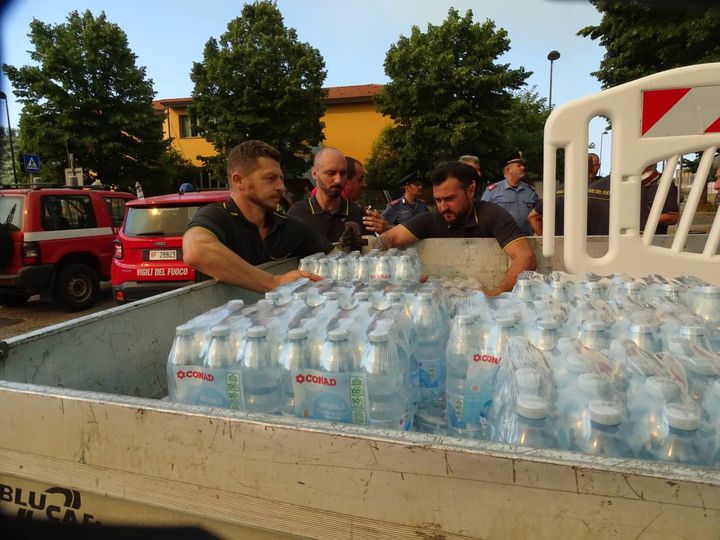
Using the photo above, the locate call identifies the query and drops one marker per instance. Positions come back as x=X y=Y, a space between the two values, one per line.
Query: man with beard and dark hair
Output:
x=225 y=240
x=327 y=212
x=458 y=215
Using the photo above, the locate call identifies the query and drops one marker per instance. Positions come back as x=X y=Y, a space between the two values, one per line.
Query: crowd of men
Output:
x=227 y=241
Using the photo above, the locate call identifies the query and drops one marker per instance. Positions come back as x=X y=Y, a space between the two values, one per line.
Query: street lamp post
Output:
x=602 y=136
x=12 y=148
x=552 y=56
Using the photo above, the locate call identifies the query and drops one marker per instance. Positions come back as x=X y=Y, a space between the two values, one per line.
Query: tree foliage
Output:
x=259 y=82
x=642 y=37
x=86 y=96
x=448 y=96
x=526 y=121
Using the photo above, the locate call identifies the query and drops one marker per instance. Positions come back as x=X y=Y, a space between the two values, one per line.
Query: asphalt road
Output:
x=35 y=314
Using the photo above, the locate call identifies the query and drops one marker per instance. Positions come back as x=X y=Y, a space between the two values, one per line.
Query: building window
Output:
x=188 y=126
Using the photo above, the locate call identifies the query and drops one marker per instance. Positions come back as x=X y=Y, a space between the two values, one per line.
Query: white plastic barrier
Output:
x=659 y=117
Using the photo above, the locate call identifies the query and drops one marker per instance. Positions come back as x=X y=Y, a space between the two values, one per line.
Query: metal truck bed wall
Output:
x=84 y=440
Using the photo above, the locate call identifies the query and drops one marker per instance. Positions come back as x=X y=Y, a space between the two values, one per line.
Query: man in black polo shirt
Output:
x=458 y=215
x=226 y=240
x=328 y=211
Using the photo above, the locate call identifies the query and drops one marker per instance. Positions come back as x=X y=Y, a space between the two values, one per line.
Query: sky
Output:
x=167 y=36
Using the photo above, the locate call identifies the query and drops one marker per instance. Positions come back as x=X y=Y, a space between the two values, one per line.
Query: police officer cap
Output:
x=514 y=158
x=412 y=178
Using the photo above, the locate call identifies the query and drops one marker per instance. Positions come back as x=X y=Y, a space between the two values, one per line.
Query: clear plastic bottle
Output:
x=295 y=356
x=697 y=334
x=707 y=307
x=336 y=355
x=464 y=343
x=534 y=428
x=545 y=334
x=683 y=443
x=221 y=352
x=260 y=376
x=605 y=437
x=386 y=392
x=431 y=333
x=594 y=335
x=182 y=353
x=572 y=405
x=647 y=337
x=646 y=405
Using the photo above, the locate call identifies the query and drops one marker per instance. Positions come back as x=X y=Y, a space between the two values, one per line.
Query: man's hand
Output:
x=294 y=275
x=374 y=222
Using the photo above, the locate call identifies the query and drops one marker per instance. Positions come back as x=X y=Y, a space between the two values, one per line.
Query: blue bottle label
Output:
x=430 y=372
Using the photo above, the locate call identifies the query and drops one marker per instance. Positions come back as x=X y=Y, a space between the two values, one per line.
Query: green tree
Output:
x=526 y=116
x=6 y=165
x=87 y=97
x=259 y=82
x=642 y=37
x=448 y=96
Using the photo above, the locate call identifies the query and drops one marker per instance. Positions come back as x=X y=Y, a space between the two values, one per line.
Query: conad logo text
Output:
x=193 y=374
x=314 y=379
x=487 y=358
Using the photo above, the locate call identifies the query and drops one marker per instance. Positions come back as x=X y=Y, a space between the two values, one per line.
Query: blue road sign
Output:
x=31 y=163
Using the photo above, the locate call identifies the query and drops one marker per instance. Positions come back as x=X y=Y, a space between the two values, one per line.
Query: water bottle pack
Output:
x=612 y=366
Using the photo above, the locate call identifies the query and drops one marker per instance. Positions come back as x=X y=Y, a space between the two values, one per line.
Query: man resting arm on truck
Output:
x=458 y=215
x=225 y=240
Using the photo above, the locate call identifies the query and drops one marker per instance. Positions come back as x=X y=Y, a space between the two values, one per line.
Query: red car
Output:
x=58 y=242
x=148 y=250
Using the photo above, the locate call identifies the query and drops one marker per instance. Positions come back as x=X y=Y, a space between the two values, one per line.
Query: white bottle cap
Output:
x=528 y=380
x=548 y=324
x=505 y=322
x=596 y=386
x=330 y=295
x=532 y=407
x=185 y=330
x=257 y=331
x=337 y=334
x=378 y=336
x=692 y=331
x=465 y=319
x=576 y=364
x=643 y=328
x=593 y=326
x=220 y=330
x=682 y=416
x=297 y=333
x=710 y=290
x=662 y=388
x=606 y=413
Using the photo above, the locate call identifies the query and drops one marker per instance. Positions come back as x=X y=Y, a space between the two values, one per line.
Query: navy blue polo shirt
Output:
x=288 y=237
x=330 y=225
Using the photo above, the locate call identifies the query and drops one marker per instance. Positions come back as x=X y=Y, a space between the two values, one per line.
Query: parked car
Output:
x=148 y=250
x=58 y=242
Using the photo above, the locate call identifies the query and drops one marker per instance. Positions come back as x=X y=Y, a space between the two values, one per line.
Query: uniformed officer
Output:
x=409 y=205
x=512 y=194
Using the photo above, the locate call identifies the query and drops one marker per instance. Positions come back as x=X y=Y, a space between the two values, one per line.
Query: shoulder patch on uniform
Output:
x=492 y=186
x=395 y=202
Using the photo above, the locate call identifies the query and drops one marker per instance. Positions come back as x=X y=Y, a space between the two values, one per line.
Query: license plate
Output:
x=163 y=255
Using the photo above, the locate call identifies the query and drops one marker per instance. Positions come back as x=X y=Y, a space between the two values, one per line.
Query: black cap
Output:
x=514 y=158
x=412 y=178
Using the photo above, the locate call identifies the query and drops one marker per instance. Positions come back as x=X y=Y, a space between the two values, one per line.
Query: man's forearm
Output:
x=517 y=265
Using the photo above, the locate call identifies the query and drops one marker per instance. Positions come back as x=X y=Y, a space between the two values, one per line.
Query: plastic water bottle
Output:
x=561 y=291
x=260 y=376
x=707 y=307
x=646 y=336
x=386 y=392
x=683 y=443
x=534 y=428
x=221 y=353
x=336 y=355
x=431 y=338
x=545 y=334
x=646 y=407
x=294 y=356
x=605 y=438
x=182 y=353
x=697 y=334
x=594 y=335
x=463 y=345
x=572 y=405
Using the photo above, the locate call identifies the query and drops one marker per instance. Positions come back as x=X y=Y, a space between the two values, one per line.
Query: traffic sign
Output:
x=31 y=163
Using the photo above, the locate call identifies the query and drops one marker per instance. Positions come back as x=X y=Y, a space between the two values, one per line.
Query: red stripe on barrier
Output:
x=714 y=127
x=656 y=103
